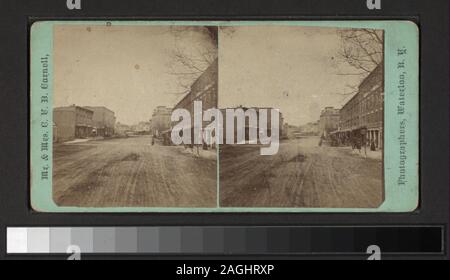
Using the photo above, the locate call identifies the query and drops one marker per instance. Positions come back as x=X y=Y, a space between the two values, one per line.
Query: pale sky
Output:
x=286 y=67
x=124 y=68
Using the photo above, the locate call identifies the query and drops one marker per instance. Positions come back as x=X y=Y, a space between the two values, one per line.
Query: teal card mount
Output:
x=224 y=116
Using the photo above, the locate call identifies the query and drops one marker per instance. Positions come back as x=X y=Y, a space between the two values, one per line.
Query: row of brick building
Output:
x=247 y=126
x=361 y=118
x=205 y=89
x=160 y=121
x=72 y=122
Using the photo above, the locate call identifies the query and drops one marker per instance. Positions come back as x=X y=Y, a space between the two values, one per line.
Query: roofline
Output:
x=68 y=107
x=102 y=107
x=196 y=80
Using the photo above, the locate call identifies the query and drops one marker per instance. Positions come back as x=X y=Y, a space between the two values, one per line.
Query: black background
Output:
x=17 y=15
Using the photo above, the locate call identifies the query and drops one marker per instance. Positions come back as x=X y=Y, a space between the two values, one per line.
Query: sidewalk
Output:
x=199 y=152
x=378 y=155
x=84 y=140
x=76 y=141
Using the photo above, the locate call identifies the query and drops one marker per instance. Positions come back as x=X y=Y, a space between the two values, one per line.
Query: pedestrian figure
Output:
x=153 y=140
x=358 y=145
x=372 y=146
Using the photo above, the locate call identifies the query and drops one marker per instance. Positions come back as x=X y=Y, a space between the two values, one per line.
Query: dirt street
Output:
x=130 y=172
x=302 y=174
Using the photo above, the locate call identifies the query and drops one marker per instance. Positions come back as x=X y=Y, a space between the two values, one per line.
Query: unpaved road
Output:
x=130 y=172
x=302 y=174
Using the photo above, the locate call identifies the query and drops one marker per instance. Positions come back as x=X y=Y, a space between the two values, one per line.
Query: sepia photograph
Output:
x=327 y=85
x=115 y=88
x=217 y=116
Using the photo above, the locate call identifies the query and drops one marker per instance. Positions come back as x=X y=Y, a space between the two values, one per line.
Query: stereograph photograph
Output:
x=257 y=116
x=115 y=88
x=327 y=84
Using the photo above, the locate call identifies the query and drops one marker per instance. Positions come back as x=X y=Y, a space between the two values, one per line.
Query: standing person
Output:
x=153 y=140
x=359 y=145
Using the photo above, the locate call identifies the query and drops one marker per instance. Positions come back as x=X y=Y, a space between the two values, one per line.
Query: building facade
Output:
x=285 y=131
x=104 y=121
x=362 y=117
x=248 y=127
x=72 y=122
x=292 y=131
x=204 y=89
x=310 y=129
x=143 y=127
x=329 y=121
x=121 y=129
x=160 y=121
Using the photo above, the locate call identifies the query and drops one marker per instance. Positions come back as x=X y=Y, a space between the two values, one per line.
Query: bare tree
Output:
x=187 y=64
x=363 y=51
